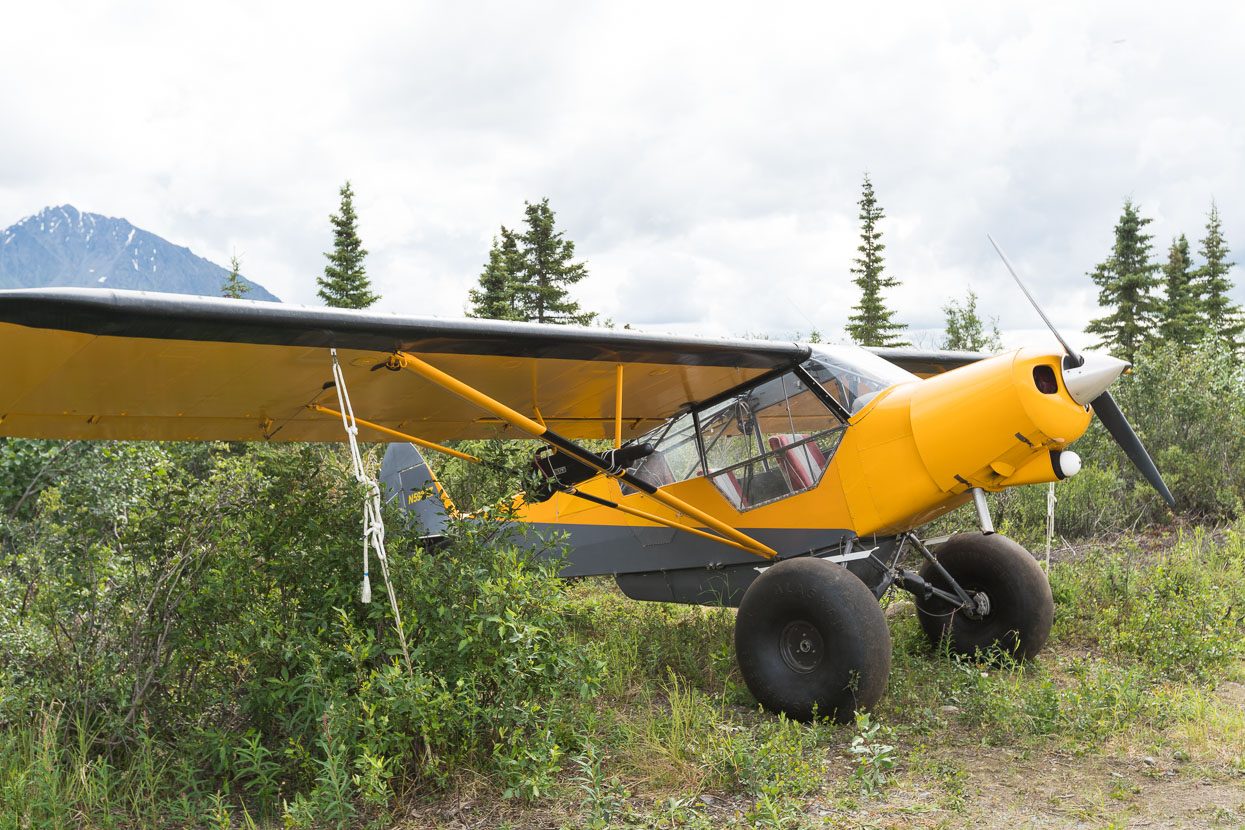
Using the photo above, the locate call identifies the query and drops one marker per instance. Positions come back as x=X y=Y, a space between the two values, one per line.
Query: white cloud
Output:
x=705 y=158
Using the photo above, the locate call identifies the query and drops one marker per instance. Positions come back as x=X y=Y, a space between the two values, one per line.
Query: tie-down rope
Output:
x=373 y=520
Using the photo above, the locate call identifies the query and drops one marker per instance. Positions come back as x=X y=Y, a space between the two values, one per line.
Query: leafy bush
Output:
x=778 y=758
x=1188 y=407
x=505 y=470
x=205 y=597
x=874 y=757
x=643 y=642
x=1093 y=502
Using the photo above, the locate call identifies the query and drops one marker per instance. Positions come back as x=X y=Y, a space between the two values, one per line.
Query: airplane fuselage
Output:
x=910 y=452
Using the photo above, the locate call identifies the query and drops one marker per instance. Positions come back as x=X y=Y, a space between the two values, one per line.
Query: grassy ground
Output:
x=1134 y=716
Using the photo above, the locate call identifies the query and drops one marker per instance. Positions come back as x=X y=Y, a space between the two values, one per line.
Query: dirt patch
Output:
x=1005 y=788
x=958 y=785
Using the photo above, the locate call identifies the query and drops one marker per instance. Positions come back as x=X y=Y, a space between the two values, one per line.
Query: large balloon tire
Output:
x=1021 y=607
x=812 y=641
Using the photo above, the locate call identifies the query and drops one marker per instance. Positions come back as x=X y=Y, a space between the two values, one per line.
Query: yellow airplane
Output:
x=782 y=478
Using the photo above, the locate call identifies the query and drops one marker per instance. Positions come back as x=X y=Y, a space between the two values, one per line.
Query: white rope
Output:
x=1050 y=522
x=373 y=519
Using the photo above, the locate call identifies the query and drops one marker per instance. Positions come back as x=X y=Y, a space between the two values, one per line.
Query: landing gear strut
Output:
x=1010 y=604
x=812 y=641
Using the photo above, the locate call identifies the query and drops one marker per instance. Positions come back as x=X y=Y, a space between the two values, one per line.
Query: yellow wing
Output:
x=101 y=364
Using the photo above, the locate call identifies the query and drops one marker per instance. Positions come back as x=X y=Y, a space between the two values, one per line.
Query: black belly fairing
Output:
x=688 y=569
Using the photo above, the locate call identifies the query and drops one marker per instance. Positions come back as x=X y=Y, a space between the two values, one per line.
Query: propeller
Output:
x=1088 y=376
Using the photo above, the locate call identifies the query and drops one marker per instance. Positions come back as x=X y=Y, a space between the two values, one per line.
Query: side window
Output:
x=770 y=443
x=853 y=376
x=727 y=435
x=676 y=456
x=765 y=444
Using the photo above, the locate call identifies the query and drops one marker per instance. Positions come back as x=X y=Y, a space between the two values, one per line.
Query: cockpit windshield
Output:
x=852 y=375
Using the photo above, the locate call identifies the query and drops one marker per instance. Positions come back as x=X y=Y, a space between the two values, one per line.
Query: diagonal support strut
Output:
x=404 y=360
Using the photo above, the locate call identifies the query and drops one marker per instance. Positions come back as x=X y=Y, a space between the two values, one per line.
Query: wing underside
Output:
x=117 y=365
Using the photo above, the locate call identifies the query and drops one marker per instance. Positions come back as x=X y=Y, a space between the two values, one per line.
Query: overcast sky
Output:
x=706 y=158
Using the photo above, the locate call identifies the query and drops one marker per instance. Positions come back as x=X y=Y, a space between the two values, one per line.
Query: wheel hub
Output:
x=981 y=605
x=801 y=646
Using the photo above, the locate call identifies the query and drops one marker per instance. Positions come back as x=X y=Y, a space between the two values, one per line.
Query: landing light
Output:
x=1067 y=463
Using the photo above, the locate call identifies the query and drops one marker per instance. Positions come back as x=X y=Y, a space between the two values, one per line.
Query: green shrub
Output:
x=779 y=758
x=642 y=642
x=1177 y=613
x=875 y=758
x=1187 y=404
x=203 y=598
x=1093 y=502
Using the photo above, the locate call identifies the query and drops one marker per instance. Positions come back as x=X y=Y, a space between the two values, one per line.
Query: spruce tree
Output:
x=965 y=330
x=546 y=270
x=871 y=324
x=527 y=274
x=496 y=297
x=345 y=283
x=235 y=287
x=1125 y=282
x=1222 y=317
x=1180 y=319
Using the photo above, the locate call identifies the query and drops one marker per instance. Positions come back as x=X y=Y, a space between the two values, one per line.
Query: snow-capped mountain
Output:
x=61 y=246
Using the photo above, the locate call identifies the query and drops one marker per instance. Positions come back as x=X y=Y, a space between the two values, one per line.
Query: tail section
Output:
x=406 y=476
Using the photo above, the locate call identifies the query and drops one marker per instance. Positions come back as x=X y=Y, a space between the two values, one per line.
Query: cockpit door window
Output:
x=761 y=445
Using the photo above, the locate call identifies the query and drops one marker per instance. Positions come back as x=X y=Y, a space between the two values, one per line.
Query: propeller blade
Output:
x=1108 y=411
x=1105 y=407
x=1072 y=353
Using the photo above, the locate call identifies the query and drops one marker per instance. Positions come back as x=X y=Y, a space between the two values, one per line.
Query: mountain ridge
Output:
x=63 y=246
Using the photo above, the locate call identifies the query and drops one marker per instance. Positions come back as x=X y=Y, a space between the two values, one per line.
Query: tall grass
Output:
x=53 y=775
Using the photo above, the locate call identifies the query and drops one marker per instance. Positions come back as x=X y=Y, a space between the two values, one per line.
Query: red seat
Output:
x=803 y=464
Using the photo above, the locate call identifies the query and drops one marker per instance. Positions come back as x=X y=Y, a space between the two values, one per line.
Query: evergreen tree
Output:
x=1180 y=318
x=965 y=330
x=345 y=283
x=527 y=274
x=546 y=271
x=497 y=295
x=1222 y=317
x=235 y=287
x=1125 y=282
x=871 y=324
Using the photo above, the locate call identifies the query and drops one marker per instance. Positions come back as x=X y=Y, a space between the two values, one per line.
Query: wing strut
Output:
x=618 y=407
x=404 y=360
x=409 y=438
